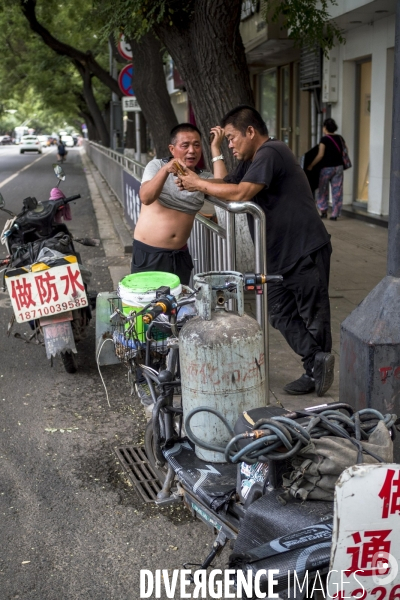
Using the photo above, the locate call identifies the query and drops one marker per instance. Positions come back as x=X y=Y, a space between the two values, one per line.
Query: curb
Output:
x=361 y=215
x=114 y=209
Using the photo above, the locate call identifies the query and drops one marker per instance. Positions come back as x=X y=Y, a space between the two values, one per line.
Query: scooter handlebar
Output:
x=164 y=305
x=159 y=309
x=254 y=281
x=72 y=198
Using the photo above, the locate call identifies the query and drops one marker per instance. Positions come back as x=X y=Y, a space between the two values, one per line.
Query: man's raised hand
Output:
x=171 y=166
x=217 y=135
x=189 y=181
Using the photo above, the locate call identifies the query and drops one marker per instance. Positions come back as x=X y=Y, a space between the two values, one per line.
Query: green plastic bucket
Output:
x=139 y=289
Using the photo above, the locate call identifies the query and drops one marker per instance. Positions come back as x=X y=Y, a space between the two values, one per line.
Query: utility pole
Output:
x=370 y=336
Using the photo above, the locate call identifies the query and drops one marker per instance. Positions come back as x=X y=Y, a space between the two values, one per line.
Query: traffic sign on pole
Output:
x=130 y=104
x=124 y=48
x=125 y=80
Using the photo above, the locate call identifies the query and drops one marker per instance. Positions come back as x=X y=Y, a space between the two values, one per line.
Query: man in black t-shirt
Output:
x=298 y=246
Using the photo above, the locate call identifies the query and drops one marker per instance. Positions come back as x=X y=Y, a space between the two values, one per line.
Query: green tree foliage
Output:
x=41 y=85
x=203 y=38
x=306 y=20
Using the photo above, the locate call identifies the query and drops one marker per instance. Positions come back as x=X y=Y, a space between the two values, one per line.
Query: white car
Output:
x=30 y=143
x=68 y=140
x=43 y=139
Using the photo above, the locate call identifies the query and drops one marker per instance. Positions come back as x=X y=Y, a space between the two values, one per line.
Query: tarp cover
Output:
x=317 y=467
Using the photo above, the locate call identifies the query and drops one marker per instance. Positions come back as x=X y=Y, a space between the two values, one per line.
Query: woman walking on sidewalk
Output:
x=330 y=152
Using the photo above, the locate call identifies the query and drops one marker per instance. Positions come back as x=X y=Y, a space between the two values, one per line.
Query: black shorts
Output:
x=148 y=258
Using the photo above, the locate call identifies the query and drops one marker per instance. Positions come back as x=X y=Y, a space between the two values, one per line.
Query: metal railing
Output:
x=111 y=165
x=213 y=247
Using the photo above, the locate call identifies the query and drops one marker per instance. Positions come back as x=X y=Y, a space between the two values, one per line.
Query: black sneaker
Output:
x=304 y=385
x=324 y=372
x=144 y=394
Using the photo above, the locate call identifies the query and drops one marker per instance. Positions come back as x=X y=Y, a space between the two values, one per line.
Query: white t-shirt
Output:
x=171 y=196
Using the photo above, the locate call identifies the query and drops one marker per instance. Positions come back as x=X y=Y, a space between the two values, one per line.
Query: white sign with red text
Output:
x=44 y=293
x=365 y=552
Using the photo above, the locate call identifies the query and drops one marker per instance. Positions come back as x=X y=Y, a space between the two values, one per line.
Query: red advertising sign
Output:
x=44 y=293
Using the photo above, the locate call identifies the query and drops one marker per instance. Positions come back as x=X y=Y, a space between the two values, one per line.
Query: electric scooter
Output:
x=44 y=275
x=236 y=473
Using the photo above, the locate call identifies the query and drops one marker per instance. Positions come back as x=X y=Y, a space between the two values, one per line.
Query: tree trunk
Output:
x=148 y=82
x=91 y=127
x=130 y=131
x=92 y=105
x=208 y=52
x=143 y=135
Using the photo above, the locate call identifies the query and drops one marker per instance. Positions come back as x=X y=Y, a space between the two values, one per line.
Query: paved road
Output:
x=71 y=526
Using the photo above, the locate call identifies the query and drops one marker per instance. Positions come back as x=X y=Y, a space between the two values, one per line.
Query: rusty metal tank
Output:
x=221 y=358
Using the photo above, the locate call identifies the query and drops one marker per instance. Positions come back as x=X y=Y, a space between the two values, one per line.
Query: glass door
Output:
x=285 y=129
x=363 y=131
x=268 y=99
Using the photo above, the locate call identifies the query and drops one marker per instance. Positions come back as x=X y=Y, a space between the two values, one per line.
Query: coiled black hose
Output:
x=270 y=434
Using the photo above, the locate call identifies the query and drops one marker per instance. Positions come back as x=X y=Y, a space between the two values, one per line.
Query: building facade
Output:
x=362 y=104
x=296 y=90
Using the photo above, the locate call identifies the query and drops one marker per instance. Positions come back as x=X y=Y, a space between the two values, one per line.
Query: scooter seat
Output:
x=214 y=483
x=269 y=520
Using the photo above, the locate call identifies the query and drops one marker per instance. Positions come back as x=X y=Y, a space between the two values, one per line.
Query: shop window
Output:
x=268 y=99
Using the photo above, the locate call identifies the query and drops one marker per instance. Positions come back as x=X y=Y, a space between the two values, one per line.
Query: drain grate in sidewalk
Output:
x=140 y=472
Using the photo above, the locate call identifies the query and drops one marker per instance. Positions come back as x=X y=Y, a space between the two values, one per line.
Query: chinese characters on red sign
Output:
x=55 y=290
x=369 y=555
x=390 y=494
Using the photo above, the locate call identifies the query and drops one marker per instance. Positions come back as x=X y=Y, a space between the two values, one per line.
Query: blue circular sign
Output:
x=125 y=80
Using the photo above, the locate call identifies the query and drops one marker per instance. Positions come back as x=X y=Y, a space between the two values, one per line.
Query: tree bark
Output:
x=91 y=127
x=86 y=59
x=208 y=52
x=92 y=105
x=83 y=112
x=148 y=82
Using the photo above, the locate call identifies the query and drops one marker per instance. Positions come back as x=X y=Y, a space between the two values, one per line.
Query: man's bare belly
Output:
x=163 y=227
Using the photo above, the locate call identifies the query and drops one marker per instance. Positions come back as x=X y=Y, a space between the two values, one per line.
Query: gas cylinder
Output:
x=222 y=359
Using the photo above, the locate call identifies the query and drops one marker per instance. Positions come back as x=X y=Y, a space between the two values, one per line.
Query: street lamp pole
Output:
x=393 y=261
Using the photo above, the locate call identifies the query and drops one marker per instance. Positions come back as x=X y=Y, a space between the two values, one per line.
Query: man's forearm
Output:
x=219 y=170
x=150 y=190
x=224 y=191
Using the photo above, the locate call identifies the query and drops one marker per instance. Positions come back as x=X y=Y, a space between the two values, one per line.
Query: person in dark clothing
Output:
x=330 y=159
x=298 y=245
x=61 y=152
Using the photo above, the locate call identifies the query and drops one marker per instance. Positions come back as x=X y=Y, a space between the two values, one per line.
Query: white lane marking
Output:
x=20 y=171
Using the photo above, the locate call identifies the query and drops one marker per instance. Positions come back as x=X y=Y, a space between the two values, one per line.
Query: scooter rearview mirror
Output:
x=59 y=172
x=2 y=201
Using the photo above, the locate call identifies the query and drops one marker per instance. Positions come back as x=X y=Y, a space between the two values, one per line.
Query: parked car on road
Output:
x=43 y=140
x=67 y=140
x=6 y=139
x=30 y=143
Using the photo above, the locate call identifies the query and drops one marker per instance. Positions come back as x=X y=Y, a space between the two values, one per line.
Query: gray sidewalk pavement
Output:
x=358 y=264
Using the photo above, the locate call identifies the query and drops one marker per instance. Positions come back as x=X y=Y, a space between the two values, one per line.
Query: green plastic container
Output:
x=139 y=289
